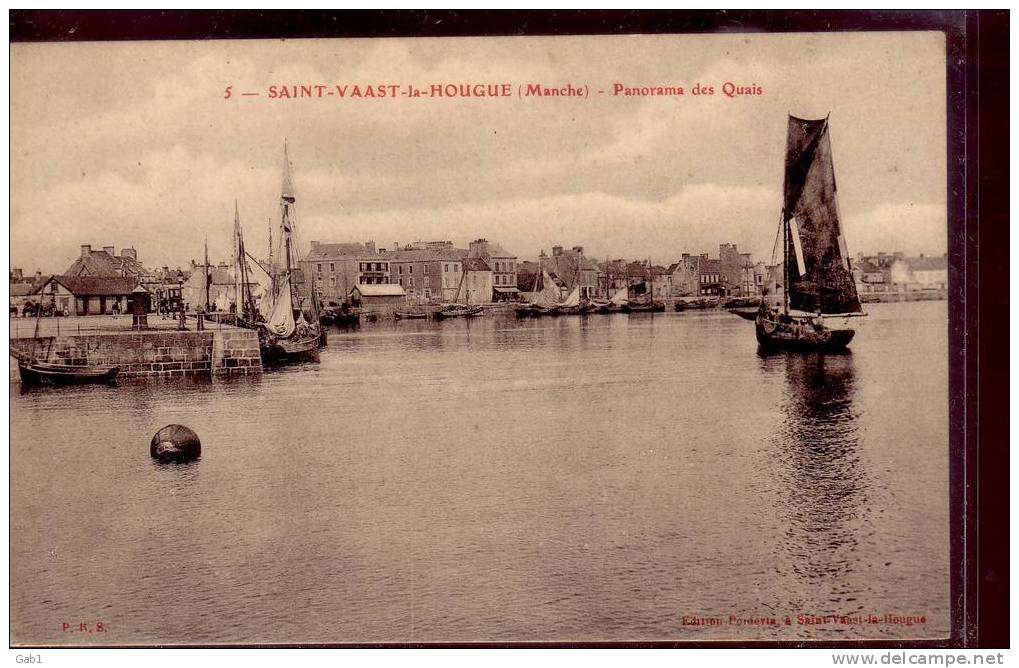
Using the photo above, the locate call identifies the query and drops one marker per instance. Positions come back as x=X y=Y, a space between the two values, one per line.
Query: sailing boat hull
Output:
x=787 y=333
x=292 y=351
x=41 y=373
x=460 y=311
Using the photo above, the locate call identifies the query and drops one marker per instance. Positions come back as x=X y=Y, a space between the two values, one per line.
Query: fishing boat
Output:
x=645 y=306
x=461 y=309
x=410 y=315
x=819 y=298
x=545 y=300
x=699 y=305
x=619 y=302
x=290 y=333
x=34 y=372
x=573 y=305
x=340 y=317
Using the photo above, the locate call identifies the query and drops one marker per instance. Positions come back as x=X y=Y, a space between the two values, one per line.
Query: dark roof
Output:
x=425 y=255
x=322 y=251
x=476 y=264
x=101 y=263
x=709 y=266
x=98 y=285
x=22 y=289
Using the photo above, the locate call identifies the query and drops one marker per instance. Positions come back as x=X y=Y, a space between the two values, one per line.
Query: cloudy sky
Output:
x=134 y=144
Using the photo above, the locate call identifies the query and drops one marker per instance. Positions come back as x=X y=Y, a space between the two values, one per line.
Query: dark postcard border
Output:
x=977 y=106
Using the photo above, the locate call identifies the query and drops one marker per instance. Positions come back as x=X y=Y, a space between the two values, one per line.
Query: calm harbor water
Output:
x=599 y=478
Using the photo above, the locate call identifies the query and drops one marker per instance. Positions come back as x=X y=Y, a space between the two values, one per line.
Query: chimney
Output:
x=86 y=249
x=579 y=250
x=109 y=249
x=314 y=245
x=557 y=251
x=129 y=252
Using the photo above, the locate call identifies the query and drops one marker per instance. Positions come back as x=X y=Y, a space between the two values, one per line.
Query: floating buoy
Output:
x=175 y=443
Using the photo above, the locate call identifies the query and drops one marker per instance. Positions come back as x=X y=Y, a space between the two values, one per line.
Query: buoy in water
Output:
x=175 y=443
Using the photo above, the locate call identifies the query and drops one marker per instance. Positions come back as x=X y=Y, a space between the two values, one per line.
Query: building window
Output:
x=456 y=268
x=410 y=270
x=445 y=268
x=318 y=268
x=332 y=280
x=427 y=282
x=411 y=281
x=332 y=267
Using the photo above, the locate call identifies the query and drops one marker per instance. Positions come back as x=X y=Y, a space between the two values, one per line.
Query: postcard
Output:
x=502 y=339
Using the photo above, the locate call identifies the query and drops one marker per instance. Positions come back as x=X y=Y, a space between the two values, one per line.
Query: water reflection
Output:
x=824 y=485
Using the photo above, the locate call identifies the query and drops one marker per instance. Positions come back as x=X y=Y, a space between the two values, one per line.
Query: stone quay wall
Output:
x=153 y=354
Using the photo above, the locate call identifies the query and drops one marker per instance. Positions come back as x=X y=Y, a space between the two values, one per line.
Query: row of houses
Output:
x=103 y=281
x=429 y=271
x=894 y=272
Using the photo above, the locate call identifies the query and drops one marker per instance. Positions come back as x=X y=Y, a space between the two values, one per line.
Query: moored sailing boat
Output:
x=543 y=301
x=459 y=309
x=287 y=335
x=819 y=298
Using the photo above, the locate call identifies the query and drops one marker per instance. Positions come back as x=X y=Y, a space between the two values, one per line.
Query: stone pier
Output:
x=160 y=353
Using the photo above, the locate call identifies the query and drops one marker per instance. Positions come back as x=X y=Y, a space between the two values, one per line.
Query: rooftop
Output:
x=97 y=286
x=379 y=290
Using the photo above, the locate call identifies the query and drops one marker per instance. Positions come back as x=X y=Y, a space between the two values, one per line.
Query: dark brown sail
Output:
x=818 y=273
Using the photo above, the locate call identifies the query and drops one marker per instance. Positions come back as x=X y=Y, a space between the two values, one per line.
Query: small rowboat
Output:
x=43 y=373
x=459 y=311
x=410 y=315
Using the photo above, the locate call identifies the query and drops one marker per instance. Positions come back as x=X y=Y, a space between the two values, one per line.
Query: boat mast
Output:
x=651 y=282
x=785 y=264
x=206 y=274
x=237 y=263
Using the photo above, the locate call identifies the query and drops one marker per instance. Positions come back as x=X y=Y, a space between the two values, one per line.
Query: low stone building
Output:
x=378 y=296
x=89 y=295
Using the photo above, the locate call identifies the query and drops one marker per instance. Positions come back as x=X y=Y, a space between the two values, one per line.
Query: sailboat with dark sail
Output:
x=819 y=298
x=289 y=334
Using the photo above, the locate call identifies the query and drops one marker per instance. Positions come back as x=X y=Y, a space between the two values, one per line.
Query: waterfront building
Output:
x=695 y=276
x=894 y=272
x=106 y=262
x=503 y=265
x=477 y=282
x=427 y=274
x=662 y=283
x=573 y=270
x=337 y=267
x=22 y=293
x=710 y=277
x=920 y=273
x=613 y=276
x=373 y=296
x=89 y=295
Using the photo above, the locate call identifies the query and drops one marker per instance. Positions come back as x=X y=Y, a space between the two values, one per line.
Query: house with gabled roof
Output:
x=89 y=295
x=106 y=262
